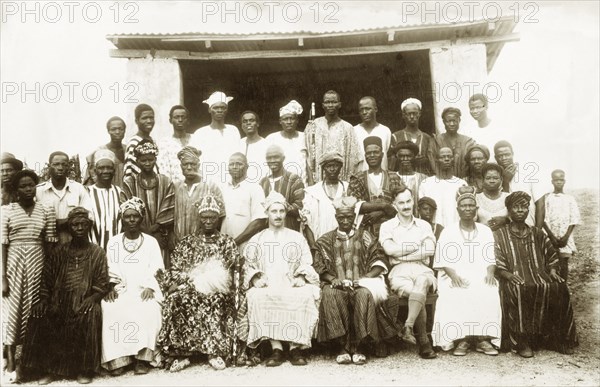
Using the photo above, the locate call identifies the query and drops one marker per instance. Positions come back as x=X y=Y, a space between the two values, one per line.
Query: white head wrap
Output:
x=408 y=101
x=217 y=97
x=274 y=197
x=293 y=107
x=104 y=154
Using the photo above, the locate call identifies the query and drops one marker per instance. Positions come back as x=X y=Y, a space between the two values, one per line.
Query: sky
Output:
x=59 y=84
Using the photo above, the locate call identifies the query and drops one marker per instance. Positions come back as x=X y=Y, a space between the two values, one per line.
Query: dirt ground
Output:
x=406 y=368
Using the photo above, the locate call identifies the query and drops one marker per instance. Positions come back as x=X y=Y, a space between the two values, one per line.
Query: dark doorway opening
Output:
x=265 y=85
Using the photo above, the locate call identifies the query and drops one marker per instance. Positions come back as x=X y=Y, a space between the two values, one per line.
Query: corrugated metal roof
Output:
x=202 y=42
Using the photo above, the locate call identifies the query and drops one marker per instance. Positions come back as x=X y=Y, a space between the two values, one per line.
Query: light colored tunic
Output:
x=280 y=311
x=444 y=194
x=318 y=207
x=129 y=324
x=322 y=137
x=471 y=311
x=167 y=161
x=243 y=205
x=256 y=154
x=381 y=131
x=217 y=145
x=489 y=208
x=295 y=152
x=561 y=212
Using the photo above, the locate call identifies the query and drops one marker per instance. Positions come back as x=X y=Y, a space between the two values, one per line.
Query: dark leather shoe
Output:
x=296 y=357
x=525 y=351
x=141 y=368
x=84 y=379
x=426 y=351
x=408 y=336
x=276 y=358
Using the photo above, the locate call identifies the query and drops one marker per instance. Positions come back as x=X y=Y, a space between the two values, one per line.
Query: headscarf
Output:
x=146 y=147
x=429 y=201
x=104 y=154
x=293 y=107
x=465 y=192
x=274 y=197
x=189 y=152
x=217 y=97
x=372 y=140
x=409 y=101
x=516 y=197
x=451 y=110
x=482 y=148
x=78 y=212
x=331 y=156
x=135 y=204
x=209 y=203
x=345 y=203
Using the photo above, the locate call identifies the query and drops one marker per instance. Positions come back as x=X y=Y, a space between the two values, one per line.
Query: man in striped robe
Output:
x=536 y=305
x=353 y=310
x=286 y=183
x=106 y=199
x=144 y=119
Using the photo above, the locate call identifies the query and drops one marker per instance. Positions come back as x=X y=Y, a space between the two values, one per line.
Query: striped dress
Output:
x=540 y=306
x=105 y=210
x=24 y=234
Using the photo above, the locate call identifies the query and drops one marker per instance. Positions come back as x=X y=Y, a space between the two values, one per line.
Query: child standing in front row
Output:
x=559 y=216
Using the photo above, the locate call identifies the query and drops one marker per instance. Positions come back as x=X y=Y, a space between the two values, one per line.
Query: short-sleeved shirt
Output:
x=243 y=204
x=72 y=195
x=217 y=145
x=562 y=211
x=412 y=234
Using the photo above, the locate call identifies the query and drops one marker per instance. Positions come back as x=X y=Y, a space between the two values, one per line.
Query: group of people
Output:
x=169 y=251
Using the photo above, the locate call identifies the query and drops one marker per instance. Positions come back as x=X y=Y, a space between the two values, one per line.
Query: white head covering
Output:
x=408 y=101
x=272 y=198
x=293 y=107
x=104 y=154
x=217 y=97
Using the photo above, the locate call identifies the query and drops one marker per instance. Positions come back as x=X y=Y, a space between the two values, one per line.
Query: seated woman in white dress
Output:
x=131 y=311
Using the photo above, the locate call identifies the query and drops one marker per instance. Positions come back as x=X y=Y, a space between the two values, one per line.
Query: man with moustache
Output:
x=409 y=243
x=218 y=140
x=106 y=198
x=115 y=126
x=367 y=108
x=144 y=119
x=283 y=287
x=168 y=147
x=329 y=133
x=62 y=193
x=442 y=188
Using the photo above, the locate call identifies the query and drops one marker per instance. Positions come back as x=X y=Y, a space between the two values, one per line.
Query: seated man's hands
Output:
x=459 y=282
x=298 y=281
x=259 y=281
x=491 y=280
x=555 y=277
x=337 y=283
x=373 y=217
x=86 y=305
x=39 y=310
x=111 y=296
x=515 y=279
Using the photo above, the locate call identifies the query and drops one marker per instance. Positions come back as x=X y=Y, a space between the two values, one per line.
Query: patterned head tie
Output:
x=135 y=204
x=78 y=212
x=189 y=152
x=273 y=198
x=105 y=154
x=516 y=198
x=293 y=107
x=146 y=147
x=331 y=156
x=345 y=203
x=217 y=97
x=209 y=203
x=410 y=101
x=465 y=192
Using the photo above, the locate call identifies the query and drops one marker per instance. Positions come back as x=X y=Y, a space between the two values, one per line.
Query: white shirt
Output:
x=217 y=145
x=444 y=194
x=295 y=152
x=243 y=204
x=257 y=160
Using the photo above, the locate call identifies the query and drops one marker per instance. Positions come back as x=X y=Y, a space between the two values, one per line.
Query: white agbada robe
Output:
x=471 y=311
x=319 y=210
x=130 y=324
x=295 y=152
x=444 y=194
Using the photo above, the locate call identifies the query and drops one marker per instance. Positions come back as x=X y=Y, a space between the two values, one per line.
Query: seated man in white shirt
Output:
x=409 y=242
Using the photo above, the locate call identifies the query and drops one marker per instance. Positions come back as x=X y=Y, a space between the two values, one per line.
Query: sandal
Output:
x=359 y=359
x=179 y=364
x=343 y=358
x=217 y=363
